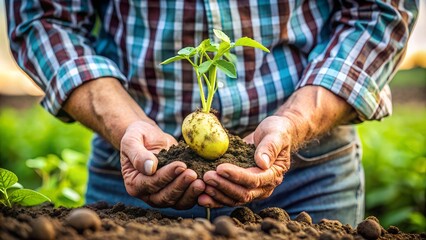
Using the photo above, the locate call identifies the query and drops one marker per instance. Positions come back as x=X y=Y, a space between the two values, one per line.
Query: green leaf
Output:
x=231 y=57
x=221 y=35
x=36 y=163
x=248 y=42
x=204 y=45
x=172 y=59
x=7 y=178
x=205 y=66
x=227 y=67
x=27 y=197
x=73 y=157
x=71 y=194
x=14 y=187
x=223 y=49
x=187 y=51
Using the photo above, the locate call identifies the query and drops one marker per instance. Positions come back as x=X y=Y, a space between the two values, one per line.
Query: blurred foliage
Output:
x=412 y=77
x=63 y=179
x=30 y=133
x=395 y=166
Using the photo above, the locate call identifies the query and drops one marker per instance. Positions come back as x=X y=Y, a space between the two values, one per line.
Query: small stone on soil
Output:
x=270 y=225
x=224 y=226
x=393 y=230
x=82 y=218
x=328 y=236
x=42 y=229
x=243 y=214
x=206 y=223
x=312 y=231
x=275 y=213
x=304 y=217
x=293 y=226
x=369 y=229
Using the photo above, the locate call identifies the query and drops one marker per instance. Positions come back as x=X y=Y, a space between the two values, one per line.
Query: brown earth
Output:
x=239 y=153
x=102 y=221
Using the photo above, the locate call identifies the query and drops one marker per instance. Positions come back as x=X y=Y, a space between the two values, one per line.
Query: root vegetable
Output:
x=205 y=135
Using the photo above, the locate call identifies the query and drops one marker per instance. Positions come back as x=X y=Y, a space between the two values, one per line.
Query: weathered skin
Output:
x=205 y=135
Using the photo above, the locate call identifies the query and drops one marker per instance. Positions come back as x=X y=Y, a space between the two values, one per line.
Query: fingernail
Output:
x=148 y=166
x=224 y=175
x=179 y=170
x=212 y=183
x=266 y=159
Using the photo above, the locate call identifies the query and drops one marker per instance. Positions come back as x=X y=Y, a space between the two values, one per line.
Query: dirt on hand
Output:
x=103 y=221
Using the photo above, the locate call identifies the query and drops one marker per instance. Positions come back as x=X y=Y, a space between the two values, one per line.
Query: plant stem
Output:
x=200 y=83
x=208 y=214
x=212 y=78
x=6 y=197
x=202 y=96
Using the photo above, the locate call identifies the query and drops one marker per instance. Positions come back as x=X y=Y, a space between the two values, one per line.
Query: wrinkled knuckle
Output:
x=148 y=188
x=247 y=197
x=166 y=201
x=267 y=194
x=279 y=180
x=254 y=184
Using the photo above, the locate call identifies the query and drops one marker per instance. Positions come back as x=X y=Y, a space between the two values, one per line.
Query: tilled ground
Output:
x=102 y=221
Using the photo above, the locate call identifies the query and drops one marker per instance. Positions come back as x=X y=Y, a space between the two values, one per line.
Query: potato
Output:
x=205 y=135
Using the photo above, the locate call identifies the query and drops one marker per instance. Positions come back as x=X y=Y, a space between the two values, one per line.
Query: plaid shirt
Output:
x=351 y=48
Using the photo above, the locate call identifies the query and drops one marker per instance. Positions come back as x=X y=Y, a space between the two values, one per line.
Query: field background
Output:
x=50 y=156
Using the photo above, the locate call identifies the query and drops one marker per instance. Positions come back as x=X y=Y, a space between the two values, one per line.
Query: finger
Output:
x=190 y=197
x=229 y=189
x=142 y=185
x=133 y=150
x=171 y=193
x=268 y=150
x=251 y=177
x=205 y=200
x=219 y=197
x=240 y=199
x=249 y=138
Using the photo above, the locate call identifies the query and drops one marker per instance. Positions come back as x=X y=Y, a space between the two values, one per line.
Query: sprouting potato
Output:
x=205 y=135
x=201 y=130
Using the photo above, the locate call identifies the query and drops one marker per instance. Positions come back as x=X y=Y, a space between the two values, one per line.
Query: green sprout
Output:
x=12 y=193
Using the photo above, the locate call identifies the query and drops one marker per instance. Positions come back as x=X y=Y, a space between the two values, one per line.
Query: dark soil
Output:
x=239 y=153
x=102 y=221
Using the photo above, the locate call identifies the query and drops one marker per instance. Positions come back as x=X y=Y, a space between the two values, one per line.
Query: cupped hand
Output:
x=171 y=186
x=231 y=185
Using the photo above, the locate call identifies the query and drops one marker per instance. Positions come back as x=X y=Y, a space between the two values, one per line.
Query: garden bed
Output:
x=102 y=221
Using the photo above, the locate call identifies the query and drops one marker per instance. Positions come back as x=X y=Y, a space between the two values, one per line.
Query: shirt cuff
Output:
x=72 y=74
x=352 y=84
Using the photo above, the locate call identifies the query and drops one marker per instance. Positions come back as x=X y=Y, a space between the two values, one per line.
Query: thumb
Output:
x=142 y=160
x=266 y=152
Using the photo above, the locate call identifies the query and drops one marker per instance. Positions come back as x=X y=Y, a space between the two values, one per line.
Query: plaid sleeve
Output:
x=367 y=43
x=51 y=41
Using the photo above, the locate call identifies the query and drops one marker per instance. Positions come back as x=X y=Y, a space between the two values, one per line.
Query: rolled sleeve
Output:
x=352 y=84
x=73 y=74
x=360 y=52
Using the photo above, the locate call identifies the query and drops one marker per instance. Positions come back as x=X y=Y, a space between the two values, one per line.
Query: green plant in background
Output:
x=63 y=179
x=12 y=193
x=32 y=132
x=395 y=166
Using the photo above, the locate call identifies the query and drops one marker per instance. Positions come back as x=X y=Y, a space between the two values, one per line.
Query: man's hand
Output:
x=172 y=186
x=308 y=113
x=232 y=186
